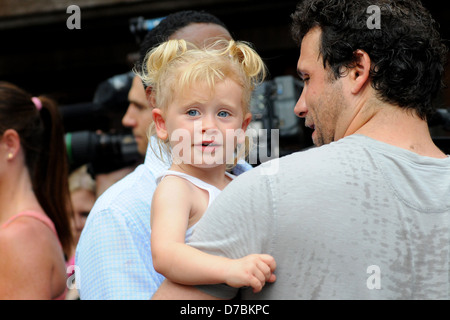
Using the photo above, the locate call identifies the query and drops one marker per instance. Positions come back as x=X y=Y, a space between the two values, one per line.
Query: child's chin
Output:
x=208 y=165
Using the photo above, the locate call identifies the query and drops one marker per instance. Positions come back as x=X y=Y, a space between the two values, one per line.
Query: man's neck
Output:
x=401 y=128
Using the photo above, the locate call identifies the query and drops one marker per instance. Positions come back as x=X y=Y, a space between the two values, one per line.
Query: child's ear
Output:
x=160 y=124
x=245 y=123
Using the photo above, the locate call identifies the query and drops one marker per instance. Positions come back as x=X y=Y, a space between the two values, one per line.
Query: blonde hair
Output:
x=175 y=65
x=81 y=179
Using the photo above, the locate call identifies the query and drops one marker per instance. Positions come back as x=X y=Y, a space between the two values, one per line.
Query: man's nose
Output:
x=129 y=120
x=300 y=108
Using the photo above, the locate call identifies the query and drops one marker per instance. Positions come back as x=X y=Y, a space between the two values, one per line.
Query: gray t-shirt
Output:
x=354 y=219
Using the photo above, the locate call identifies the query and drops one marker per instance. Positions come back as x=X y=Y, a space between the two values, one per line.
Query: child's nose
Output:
x=209 y=123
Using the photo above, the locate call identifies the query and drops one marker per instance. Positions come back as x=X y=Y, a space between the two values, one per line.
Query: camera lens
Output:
x=106 y=152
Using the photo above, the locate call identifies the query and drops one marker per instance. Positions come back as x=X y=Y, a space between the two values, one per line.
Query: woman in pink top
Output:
x=34 y=197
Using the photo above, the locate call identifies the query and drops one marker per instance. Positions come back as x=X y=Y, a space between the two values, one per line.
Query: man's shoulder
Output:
x=311 y=161
x=336 y=148
x=125 y=203
x=132 y=191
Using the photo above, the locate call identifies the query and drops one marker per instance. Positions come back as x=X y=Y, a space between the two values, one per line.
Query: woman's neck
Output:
x=16 y=194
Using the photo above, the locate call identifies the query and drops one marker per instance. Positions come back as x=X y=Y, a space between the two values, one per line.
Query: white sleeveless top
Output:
x=213 y=191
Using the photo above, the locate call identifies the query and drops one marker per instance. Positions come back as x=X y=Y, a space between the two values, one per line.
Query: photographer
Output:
x=138 y=117
x=109 y=152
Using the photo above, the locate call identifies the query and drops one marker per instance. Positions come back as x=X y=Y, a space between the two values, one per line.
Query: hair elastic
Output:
x=37 y=102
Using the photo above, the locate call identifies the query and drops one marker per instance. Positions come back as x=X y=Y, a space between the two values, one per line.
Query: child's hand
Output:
x=253 y=270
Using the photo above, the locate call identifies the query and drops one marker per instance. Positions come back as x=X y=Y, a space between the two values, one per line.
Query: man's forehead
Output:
x=137 y=91
x=198 y=33
x=309 y=49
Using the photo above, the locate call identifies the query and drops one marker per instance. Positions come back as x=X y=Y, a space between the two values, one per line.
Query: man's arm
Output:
x=173 y=291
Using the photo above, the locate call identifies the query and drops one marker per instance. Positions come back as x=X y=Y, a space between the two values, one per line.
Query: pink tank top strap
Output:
x=39 y=216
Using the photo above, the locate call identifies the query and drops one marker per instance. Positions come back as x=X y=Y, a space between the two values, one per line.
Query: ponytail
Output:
x=50 y=176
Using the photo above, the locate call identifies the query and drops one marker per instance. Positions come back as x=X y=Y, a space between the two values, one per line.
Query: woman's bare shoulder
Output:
x=27 y=235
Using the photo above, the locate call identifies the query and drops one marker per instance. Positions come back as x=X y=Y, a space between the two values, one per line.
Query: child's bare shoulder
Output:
x=174 y=185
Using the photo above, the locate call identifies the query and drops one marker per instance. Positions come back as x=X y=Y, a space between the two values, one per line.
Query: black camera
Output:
x=440 y=129
x=272 y=108
x=139 y=26
x=104 y=152
x=92 y=136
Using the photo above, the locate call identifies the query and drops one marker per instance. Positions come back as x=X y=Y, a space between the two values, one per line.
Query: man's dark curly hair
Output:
x=171 y=24
x=406 y=52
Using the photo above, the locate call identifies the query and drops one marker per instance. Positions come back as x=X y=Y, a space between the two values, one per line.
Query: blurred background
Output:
x=39 y=53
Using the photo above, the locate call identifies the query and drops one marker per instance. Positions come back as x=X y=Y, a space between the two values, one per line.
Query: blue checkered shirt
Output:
x=113 y=254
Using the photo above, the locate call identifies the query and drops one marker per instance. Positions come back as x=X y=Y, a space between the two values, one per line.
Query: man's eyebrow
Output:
x=138 y=103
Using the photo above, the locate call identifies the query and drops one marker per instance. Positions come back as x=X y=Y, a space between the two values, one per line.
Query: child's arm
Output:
x=171 y=207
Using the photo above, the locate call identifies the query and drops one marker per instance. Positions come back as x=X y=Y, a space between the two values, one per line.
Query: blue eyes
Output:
x=194 y=113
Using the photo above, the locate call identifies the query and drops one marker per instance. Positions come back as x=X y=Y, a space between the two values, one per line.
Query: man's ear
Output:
x=359 y=74
x=160 y=124
x=150 y=96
